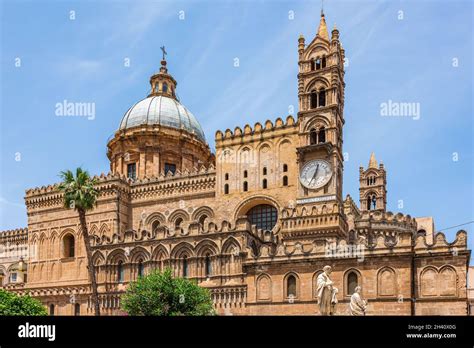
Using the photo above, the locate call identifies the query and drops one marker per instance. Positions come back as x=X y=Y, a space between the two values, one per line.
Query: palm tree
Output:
x=80 y=194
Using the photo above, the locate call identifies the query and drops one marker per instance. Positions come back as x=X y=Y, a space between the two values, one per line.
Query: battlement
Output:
x=18 y=234
x=238 y=135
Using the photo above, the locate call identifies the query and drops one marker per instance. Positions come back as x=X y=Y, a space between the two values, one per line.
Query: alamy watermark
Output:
x=400 y=109
x=82 y=109
x=334 y=250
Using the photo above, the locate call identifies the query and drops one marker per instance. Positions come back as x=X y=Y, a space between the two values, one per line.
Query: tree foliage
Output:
x=13 y=304
x=80 y=194
x=79 y=191
x=160 y=294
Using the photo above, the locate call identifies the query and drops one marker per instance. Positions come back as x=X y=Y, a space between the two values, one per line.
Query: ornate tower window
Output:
x=264 y=170
x=322 y=97
x=246 y=186
x=371 y=202
x=132 y=171
x=170 y=167
x=226 y=189
x=318 y=64
x=313 y=100
x=285 y=180
x=322 y=135
x=285 y=168
x=313 y=136
x=264 y=183
x=245 y=173
x=165 y=87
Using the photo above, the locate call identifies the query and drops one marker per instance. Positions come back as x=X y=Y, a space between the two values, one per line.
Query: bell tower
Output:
x=321 y=104
x=373 y=186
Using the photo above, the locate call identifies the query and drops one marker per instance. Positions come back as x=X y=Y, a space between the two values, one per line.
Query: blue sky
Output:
x=409 y=59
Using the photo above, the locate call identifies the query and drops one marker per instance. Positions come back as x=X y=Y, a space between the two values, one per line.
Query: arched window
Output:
x=246 y=186
x=77 y=309
x=264 y=216
x=291 y=286
x=185 y=267
x=178 y=222
x=202 y=219
x=368 y=182
x=208 y=265
x=68 y=245
x=322 y=135
x=264 y=170
x=120 y=272
x=324 y=62
x=421 y=232
x=165 y=87
x=352 y=282
x=313 y=100
x=285 y=167
x=140 y=268
x=322 y=97
x=312 y=64
x=285 y=181
x=245 y=173
x=51 y=309
x=313 y=136
x=371 y=202
x=264 y=183
x=318 y=64
x=226 y=189
x=155 y=225
x=226 y=176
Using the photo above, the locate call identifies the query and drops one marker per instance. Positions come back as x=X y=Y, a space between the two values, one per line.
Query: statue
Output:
x=358 y=305
x=326 y=292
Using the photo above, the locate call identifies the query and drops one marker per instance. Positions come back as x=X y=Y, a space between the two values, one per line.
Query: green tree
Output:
x=80 y=194
x=160 y=294
x=14 y=304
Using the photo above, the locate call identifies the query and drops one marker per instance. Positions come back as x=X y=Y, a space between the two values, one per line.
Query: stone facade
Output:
x=246 y=223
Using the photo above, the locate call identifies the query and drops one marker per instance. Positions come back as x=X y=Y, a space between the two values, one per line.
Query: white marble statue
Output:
x=326 y=292
x=358 y=305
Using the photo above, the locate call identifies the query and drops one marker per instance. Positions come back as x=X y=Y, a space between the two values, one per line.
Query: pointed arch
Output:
x=117 y=255
x=139 y=252
x=160 y=253
x=182 y=249
x=231 y=246
x=205 y=246
x=387 y=282
x=263 y=286
x=352 y=279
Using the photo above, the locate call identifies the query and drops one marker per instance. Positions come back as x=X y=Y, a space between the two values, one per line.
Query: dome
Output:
x=162 y=110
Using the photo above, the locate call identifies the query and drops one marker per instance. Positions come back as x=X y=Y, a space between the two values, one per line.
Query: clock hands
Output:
x=314 y=174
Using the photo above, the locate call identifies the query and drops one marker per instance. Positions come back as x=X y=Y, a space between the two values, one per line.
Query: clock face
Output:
x=315 y=174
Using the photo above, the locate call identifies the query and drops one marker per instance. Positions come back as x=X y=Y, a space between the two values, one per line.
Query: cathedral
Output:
x=254 y=221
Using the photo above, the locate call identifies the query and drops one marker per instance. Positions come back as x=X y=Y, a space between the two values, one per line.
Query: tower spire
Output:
x=372 y=161
x=323 y=30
